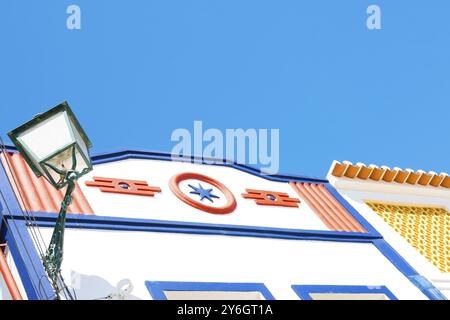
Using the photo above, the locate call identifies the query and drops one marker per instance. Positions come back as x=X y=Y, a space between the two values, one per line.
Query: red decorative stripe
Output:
x=278 y=198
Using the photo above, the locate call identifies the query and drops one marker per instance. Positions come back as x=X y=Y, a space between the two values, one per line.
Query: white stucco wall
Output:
x=96 y=260
x=166 y=206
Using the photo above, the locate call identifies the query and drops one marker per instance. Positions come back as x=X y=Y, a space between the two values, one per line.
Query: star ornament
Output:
x=203 y=193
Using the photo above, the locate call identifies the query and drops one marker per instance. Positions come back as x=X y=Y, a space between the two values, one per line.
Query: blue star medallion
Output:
x=203 y=193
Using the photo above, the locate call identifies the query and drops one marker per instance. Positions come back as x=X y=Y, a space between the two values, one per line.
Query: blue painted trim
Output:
x=358 y=217
x=127 y=224
x=393 y=256
x=304 y=291
x=1 y=215
x=21 y=264
x=3 y=230
x=139 y=154
x=12 y=204
x=156 y=155
x=9 y=148
x=404 y=267
x=157 y=288
x=27 y=261
x=112 y=223
x=165 y=226
x=15 y=232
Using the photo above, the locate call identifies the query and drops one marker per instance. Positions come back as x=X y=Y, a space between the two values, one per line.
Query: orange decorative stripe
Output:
x=124 y=186
x=396 y=175
x=37 y=193
x=327 y=208
x=280 y=199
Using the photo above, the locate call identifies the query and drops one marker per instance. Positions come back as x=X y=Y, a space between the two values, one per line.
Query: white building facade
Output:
x=411 y=209
x=143 y=226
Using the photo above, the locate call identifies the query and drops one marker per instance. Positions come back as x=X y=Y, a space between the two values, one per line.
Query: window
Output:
x=425 y=228
x=167 y=290
x=324 y=292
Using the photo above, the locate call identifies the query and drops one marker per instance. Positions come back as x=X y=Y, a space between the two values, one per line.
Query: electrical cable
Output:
x=29 y=217
x=23 y=243
x=31 y=221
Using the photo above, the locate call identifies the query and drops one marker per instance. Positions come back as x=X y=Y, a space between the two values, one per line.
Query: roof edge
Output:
x=373 y=173
x=123 y=154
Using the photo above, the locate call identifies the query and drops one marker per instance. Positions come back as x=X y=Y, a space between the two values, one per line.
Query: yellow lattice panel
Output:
x=426 y=228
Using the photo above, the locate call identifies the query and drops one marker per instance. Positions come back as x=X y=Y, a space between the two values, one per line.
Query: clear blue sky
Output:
x=139 y=69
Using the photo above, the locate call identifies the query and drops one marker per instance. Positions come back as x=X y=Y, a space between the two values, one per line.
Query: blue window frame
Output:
x=157 y=288
x=305 y=291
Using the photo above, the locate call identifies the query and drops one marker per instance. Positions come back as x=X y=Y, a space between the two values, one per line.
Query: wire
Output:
x=28 y=218
x=31 y=221
x=65 y=289
x=23 y=243
x=21 y=239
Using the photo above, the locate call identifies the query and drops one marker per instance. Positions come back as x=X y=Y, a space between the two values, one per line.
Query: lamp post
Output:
x=55 y=146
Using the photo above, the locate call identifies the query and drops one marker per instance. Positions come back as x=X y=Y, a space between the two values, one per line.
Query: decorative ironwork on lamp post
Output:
x=55 y=146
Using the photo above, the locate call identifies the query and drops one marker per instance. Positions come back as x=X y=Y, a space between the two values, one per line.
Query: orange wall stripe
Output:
x=84 y=205
x=8 y=173
x=339 y=208
x=327 y=208
x=50 y=203
x=305 y=196
x=38 y=194
x=325 y=211
x=330 y=209
x=41 y=189
x=27 y=189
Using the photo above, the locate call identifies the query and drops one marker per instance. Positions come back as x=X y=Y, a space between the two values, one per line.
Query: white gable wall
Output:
x=166 y=206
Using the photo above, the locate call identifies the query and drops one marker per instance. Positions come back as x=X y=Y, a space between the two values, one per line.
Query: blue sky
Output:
x=137 y=70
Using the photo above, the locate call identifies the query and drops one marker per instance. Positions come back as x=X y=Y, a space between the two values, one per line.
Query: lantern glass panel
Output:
x=63 y=161
x=45 y=138
x=48 y=143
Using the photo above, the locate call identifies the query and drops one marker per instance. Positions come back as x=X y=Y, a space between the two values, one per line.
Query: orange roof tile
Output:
x=395 y=175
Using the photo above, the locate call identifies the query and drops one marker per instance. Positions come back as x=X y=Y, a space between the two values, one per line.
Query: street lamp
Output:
x=55 y=146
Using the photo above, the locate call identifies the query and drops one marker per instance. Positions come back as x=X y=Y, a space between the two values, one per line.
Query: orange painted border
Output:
x=36 y=194
x=9 y=279
x=327 y=208
x=285 y=200
x=227 y=208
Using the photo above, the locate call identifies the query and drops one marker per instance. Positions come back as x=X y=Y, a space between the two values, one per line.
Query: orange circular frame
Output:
x=227 y=208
